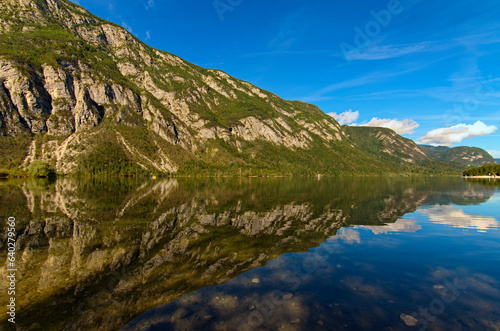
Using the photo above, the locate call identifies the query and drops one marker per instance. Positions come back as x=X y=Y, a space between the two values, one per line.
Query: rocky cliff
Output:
x=85 y=95
x=463 y=155
x=386 y=143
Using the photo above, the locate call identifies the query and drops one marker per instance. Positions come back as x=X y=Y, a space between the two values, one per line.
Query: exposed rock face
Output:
x=11 y=123
x=253 y=129
x=467 y=156
x=394 y=144
x=97 y=80
x=72 y=98
x=386 y=144
x=25 y=95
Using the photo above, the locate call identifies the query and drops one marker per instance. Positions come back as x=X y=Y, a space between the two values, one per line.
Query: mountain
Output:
x=385 y=143
x=497 y=161
x=85 y=96
x=466 y=156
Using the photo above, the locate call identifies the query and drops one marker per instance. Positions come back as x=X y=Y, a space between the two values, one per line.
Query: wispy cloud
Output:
x=406 y=126
x=148 y=35
x=467 y=84
x=447 y=93
x=288 y=52
x=384 y=95
x=126 y=26
x=150 y=4
x=379 y=51
x=291 y=28
x=456 y=133
x=282 y=40
x=346 y=117
x=375 y=77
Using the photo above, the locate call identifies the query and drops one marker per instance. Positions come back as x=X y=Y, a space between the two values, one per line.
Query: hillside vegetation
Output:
x=485 y=170
x=465 y=156
x=83 y=95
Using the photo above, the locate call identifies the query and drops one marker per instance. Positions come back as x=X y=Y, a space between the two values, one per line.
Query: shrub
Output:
x=39 y=169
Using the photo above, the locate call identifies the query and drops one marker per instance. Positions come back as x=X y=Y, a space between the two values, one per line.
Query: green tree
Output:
x=39 y=169
x=485 y=170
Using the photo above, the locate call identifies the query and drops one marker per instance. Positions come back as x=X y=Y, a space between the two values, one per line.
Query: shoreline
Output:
x=493 y=177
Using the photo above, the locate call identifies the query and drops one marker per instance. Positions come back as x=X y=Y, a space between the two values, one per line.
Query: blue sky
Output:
x=428 y=69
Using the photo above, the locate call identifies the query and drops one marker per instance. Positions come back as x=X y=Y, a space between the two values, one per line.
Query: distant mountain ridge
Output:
x=86 y=96
x=467 y=156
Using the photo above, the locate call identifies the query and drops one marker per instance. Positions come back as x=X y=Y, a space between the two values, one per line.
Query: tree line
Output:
x=485 y=170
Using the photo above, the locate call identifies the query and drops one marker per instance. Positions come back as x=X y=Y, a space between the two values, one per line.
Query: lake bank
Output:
x=492 y=177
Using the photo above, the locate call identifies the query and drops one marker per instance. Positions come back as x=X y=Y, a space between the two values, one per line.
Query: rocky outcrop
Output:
x=466 y=156
x=385 y=143
x=394 y=145
x=97 y=80
x=25 y=98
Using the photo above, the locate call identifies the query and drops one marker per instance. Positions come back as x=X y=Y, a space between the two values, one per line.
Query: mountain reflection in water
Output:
x=94 y=255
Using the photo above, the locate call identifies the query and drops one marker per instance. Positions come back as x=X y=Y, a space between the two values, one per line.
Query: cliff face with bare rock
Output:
x=85 y=95
x=467 y=156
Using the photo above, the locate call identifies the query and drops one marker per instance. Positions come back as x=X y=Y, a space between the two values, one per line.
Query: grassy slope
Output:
x=363 y=138
x=455 y=154
x=51 y=44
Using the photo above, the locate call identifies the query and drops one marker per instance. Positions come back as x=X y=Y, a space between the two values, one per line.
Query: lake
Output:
x=416 y=253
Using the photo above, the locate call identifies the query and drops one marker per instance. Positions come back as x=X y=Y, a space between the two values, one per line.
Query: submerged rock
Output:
x=408 y=320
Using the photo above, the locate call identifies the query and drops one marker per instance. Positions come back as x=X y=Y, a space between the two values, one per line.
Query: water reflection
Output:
x=96 y=254
x=454 y=216
x=352 y=235
x=402 y=225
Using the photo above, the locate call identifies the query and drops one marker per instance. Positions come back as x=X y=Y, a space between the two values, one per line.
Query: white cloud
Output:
x=456 y=133
x=450 y=215
x=150 y=4
x=346 y=117
x=400 y=126
x=148 y=35
x=494 y=153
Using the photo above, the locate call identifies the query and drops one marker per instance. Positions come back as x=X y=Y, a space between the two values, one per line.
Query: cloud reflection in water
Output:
x=456 y=217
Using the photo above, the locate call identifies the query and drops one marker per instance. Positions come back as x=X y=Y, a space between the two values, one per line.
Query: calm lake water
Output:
x=254 y=254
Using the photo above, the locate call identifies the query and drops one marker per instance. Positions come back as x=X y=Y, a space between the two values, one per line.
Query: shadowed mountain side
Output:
x=463 y=155
x=85 y=96
x=403 y=156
